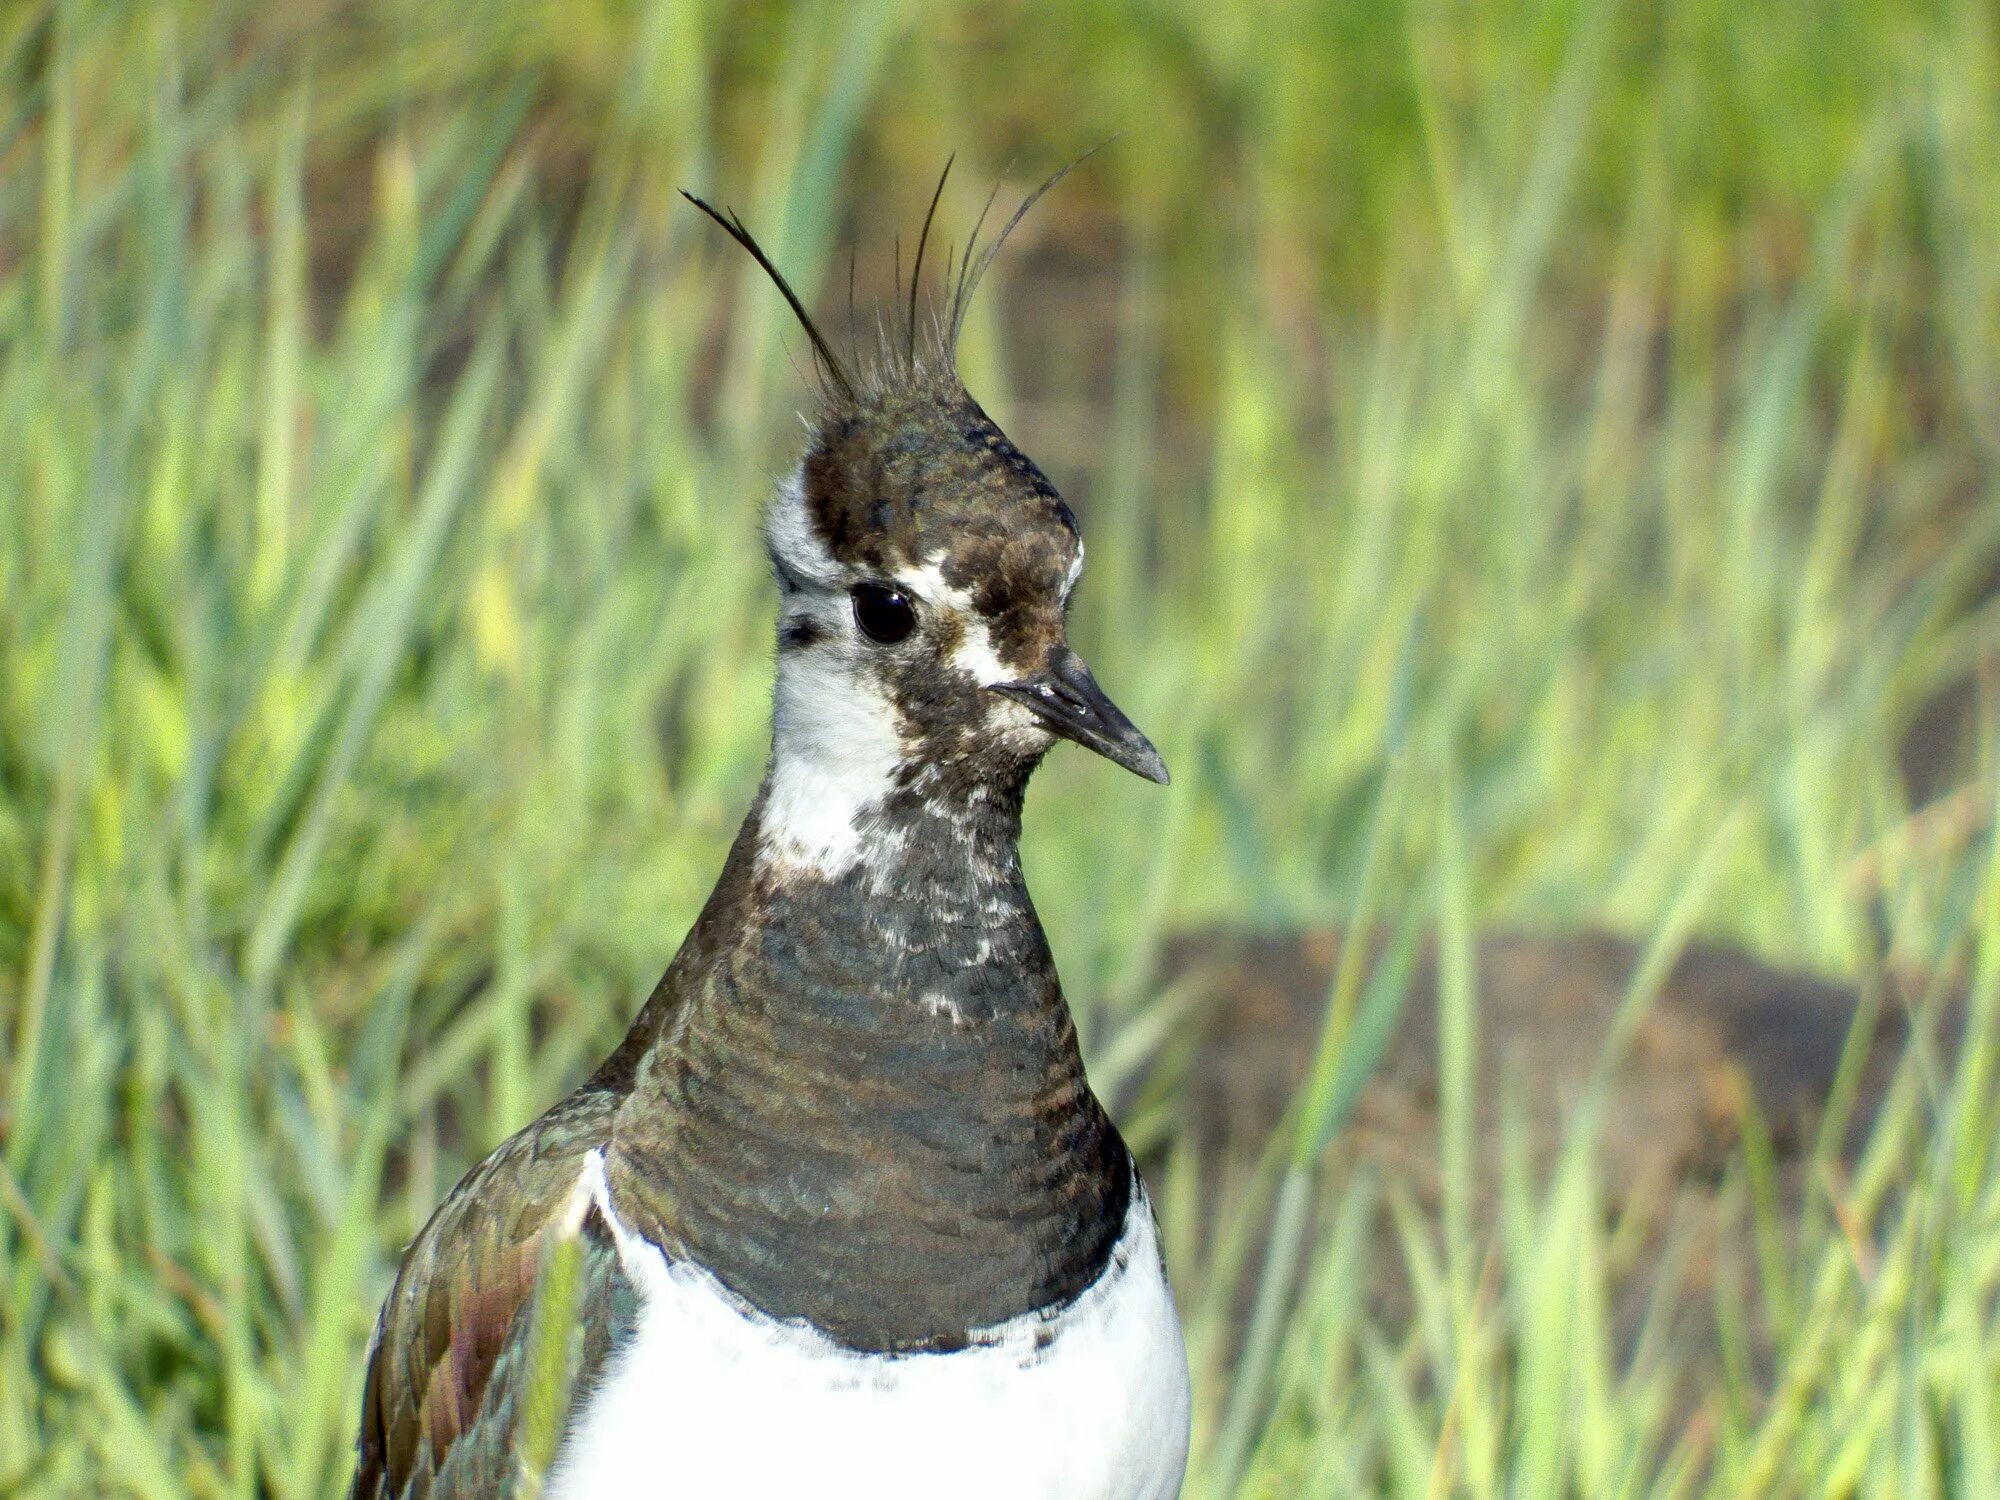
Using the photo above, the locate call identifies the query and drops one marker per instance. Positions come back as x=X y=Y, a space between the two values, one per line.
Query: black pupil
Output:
x=883 y=614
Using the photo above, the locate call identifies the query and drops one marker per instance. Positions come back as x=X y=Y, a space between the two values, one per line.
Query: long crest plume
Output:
x=830 y=363
x=917 y=270
x=970 y=271
x=962 y=282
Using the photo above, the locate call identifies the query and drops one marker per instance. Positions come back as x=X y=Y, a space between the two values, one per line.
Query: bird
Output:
x=841 y=1215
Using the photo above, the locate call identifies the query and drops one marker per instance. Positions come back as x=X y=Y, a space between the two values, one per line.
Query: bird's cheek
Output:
x=971 y=657
x=1014 y=728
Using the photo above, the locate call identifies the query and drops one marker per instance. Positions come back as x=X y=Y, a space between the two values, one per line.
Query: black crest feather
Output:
x=972 y=272
x=962 y=281
x=917 y=269
x=829 y=361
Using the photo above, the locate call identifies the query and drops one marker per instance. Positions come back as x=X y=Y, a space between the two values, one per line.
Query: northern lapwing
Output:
x=842 y=1214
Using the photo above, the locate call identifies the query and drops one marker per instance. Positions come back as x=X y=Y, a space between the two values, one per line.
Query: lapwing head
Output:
x=925 y=567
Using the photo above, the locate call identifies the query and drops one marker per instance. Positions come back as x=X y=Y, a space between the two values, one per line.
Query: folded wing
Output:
x=461 y=1375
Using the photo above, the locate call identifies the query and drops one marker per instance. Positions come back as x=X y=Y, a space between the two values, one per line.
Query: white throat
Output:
x=836 y=746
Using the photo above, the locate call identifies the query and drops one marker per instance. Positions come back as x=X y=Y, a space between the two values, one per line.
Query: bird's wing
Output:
x=462 y=1378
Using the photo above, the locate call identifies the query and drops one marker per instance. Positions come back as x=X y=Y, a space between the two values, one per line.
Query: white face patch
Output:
x=795 y=547
x=974 y=654
x=1075 y=572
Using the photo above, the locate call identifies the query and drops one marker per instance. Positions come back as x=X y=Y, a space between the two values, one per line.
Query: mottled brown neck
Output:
x=870 y=1111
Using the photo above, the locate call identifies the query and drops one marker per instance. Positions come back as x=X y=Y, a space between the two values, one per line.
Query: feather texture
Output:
x=442 y=1410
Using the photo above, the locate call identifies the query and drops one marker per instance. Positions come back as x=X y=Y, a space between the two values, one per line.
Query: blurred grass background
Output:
x=1538 y=460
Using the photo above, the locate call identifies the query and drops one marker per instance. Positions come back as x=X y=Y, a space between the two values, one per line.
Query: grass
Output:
x=1538 y=463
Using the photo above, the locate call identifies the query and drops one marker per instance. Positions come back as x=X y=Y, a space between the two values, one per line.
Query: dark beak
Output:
x=1071 y=703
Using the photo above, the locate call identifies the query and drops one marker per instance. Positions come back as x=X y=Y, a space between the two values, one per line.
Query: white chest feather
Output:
x=713 y=1399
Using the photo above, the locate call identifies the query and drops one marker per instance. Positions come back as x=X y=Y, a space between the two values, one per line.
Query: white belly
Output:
x=714 y=1399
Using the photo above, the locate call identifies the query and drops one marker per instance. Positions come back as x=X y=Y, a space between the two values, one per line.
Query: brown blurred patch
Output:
x=1545 y=1010
x=1725 y=1028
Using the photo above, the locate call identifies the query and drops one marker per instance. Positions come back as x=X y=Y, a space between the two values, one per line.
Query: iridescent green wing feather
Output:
x=504 y=1312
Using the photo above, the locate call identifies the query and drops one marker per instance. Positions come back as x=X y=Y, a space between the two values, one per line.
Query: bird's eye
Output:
x=884 y=614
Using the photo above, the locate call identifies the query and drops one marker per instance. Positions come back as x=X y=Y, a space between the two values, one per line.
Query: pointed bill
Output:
x=1066 y=697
